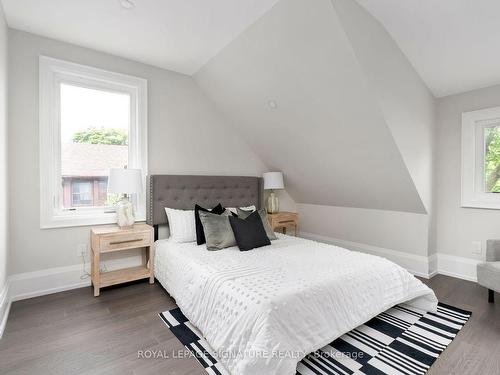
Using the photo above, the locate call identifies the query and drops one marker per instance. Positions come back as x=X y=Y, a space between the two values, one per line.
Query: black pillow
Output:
x=200 y=234
x=249 y=233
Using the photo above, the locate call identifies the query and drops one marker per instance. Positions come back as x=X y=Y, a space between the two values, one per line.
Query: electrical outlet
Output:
x=477 y=247
x=82 y=250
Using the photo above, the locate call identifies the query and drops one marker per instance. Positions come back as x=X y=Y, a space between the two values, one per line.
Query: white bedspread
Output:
x=263 y=310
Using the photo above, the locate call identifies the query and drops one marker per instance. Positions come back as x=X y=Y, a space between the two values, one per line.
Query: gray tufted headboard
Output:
x=183 y=192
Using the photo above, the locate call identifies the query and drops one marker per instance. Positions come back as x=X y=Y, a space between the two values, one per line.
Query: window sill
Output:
x=481 y=205
x=67 y=221
x=487 y=201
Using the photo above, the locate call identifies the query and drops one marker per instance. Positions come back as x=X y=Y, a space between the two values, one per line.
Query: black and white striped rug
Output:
x=400 y=341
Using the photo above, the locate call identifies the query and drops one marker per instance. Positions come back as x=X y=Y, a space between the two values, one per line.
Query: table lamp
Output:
x=273 y=181
x=125 y=182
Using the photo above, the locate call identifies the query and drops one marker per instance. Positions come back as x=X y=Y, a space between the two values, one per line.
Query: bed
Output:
x=263 y=310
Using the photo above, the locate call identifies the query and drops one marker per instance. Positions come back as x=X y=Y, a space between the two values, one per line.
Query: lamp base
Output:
x=125 y=216
x=272 y=203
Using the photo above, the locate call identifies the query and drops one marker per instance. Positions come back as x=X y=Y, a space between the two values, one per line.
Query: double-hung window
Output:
x=481 y=158
x=91 y=120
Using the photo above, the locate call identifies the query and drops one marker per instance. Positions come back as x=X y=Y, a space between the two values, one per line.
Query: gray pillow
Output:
x=243 y=214
x=218 y=231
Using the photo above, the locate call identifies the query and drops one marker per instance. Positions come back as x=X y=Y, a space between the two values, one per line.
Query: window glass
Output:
x=81 y=193
x=94 y=138
x=91 y=120
x=492 y=159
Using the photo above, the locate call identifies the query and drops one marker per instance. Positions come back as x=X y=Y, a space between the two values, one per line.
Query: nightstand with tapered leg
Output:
x=109 y=239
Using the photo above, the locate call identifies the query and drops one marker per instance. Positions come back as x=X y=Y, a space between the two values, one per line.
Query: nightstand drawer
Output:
x=285 y=218
x=282 y=220
x=124 y=241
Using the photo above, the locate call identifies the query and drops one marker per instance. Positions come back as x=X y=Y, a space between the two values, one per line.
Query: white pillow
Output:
x=181 y=224
x=247 y=208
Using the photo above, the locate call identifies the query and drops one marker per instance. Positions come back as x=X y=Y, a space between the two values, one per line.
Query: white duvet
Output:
x=265 y=309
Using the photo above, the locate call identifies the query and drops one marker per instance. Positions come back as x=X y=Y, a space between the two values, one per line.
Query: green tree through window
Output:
x=102 y=136
x=492 y=159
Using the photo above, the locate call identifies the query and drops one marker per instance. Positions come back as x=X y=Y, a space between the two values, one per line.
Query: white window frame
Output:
x=473 y=151
x=53 y=72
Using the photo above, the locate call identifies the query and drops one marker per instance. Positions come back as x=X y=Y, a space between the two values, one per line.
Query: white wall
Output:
x=4 y=222
x=186 y=135
x=457 y=227
x=409 y=111
x=399 y=231
x=407 y=104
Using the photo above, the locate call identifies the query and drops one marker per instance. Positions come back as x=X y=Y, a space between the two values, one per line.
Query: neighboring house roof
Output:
x=87 y=160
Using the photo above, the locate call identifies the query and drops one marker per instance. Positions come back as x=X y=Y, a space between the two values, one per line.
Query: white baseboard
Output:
x=433 y=265
x=460 y=267
x=5 y=303
x=419 y=265
x=415 y=264
x=52 y=280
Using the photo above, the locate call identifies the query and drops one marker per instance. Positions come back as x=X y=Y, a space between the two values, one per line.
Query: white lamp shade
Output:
x=273 y=180
x=125 y=181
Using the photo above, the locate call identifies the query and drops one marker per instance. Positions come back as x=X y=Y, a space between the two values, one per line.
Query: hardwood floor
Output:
x=476 y=349
x=74 y=333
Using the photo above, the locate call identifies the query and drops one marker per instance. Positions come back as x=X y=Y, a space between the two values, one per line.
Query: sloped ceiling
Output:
x=407 y=104
x=453 y=44
x=178 y=35
x=293 y=86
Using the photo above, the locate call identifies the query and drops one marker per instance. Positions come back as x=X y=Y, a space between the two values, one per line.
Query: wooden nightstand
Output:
x=281 y=220
x=110 y=238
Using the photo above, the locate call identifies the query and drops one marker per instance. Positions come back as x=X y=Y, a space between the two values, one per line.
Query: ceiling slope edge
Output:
x=407 y=104
x=294 y=88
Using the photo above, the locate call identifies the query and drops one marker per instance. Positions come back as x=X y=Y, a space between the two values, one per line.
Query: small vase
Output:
x=125 y=216
x=272 y=203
